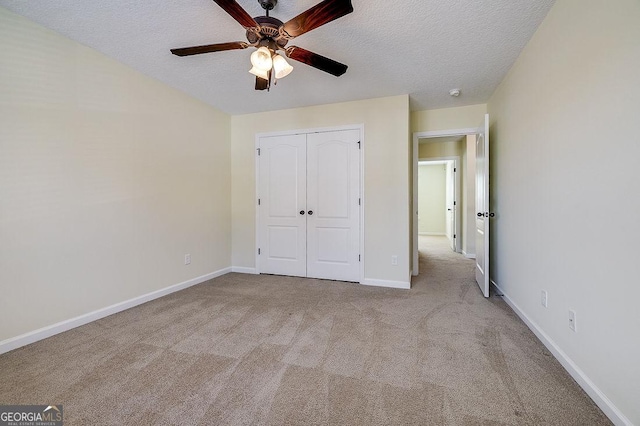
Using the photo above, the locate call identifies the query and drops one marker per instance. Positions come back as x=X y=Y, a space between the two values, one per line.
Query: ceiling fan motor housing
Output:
x=269 y=30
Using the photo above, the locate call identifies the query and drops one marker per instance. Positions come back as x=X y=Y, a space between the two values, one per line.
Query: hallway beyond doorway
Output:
x=436 y=249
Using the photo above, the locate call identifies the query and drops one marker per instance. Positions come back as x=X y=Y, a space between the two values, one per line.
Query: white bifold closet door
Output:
x=309 y=212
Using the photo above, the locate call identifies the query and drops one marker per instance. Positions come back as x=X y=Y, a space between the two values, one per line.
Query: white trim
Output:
x=244 y=270
x=256 y=197
x=438 y=160
x=414 y=212
x=468 y=255
x=386 y=283
x=362 y=202
x=433 y=234
x=312 y=130
x=51 y=330
x=416 y=141
x=601 y=400
x=360 y=128
x=441 y=133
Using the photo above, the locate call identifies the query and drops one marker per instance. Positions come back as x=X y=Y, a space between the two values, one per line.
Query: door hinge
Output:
x=258 y=251
x=358 y=144
x=359 y=201
x=258 y=151
x=358 y=258
x=455 y=170
x=454 y=203
x=454 y=235
x=258 y=201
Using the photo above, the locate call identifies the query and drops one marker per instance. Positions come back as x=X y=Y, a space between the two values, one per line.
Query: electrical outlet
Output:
x=187 y=259
x=394 y=260
x=543 y=298
x=572 y=320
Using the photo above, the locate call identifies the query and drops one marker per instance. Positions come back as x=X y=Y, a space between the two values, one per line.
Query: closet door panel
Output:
x=333 y=211
x=282 y=193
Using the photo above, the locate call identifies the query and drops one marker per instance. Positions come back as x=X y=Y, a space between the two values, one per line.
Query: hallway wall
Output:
x=431 y=199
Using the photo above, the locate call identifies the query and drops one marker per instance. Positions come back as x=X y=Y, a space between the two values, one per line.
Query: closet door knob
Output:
x=302 y=212
x=310 y=212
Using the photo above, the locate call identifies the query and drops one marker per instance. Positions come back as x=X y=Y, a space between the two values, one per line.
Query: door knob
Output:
x=492 y=214
x=480 y=214
x=310 y=212
x=301 y=211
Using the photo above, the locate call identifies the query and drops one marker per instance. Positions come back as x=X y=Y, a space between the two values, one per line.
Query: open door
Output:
x=482 y=206
x=450 y=202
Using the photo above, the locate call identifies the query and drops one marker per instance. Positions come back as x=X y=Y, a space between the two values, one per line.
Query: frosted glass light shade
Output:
x=281 y=66
x=260 y=73
x=261 y=59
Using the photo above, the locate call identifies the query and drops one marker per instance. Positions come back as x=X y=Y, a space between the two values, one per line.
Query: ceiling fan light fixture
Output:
x=261 y=59
x=258 y=72
x=270 y=35
x=281 y=67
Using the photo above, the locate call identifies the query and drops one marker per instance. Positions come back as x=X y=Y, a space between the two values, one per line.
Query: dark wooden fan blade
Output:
x=318 y=15
x=238 y=13
x=261 y=83
x=196 y=50
x=317 y=61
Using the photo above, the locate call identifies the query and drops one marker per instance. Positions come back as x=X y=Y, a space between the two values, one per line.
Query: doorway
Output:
x=438 y=189
x=450 y=145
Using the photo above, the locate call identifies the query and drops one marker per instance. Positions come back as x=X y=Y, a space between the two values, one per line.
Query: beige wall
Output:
x=564 y=176
x=386 y=183
x=428 y=149
x=431 y=199
x=447 y=118
x=107 y=178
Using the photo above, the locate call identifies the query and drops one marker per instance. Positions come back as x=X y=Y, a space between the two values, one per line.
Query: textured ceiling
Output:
x=418 y=47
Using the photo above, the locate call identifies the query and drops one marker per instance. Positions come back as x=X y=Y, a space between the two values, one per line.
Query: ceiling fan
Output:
x=271 y=35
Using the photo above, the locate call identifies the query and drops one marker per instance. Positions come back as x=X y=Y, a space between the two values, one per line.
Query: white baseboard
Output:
x=601 y=400
x=243 y=270
x=437 y=234
x=386 y=283
x=468 y=255
x=51 y=330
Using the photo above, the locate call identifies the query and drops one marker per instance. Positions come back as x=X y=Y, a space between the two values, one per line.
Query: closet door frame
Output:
x=360 y=128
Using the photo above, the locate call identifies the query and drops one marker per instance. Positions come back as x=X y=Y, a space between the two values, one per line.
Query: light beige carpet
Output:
x=244 y=349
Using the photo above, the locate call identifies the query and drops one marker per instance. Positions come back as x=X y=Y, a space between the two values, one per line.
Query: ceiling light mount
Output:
x=454 y=92
x=268 y=4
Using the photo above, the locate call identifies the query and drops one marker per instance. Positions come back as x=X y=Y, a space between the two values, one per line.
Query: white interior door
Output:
x=482 y=206
x=282 y=209
x=333 y=206
x=450 y=205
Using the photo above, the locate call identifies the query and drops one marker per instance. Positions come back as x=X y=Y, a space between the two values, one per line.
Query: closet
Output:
x=309 y=205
